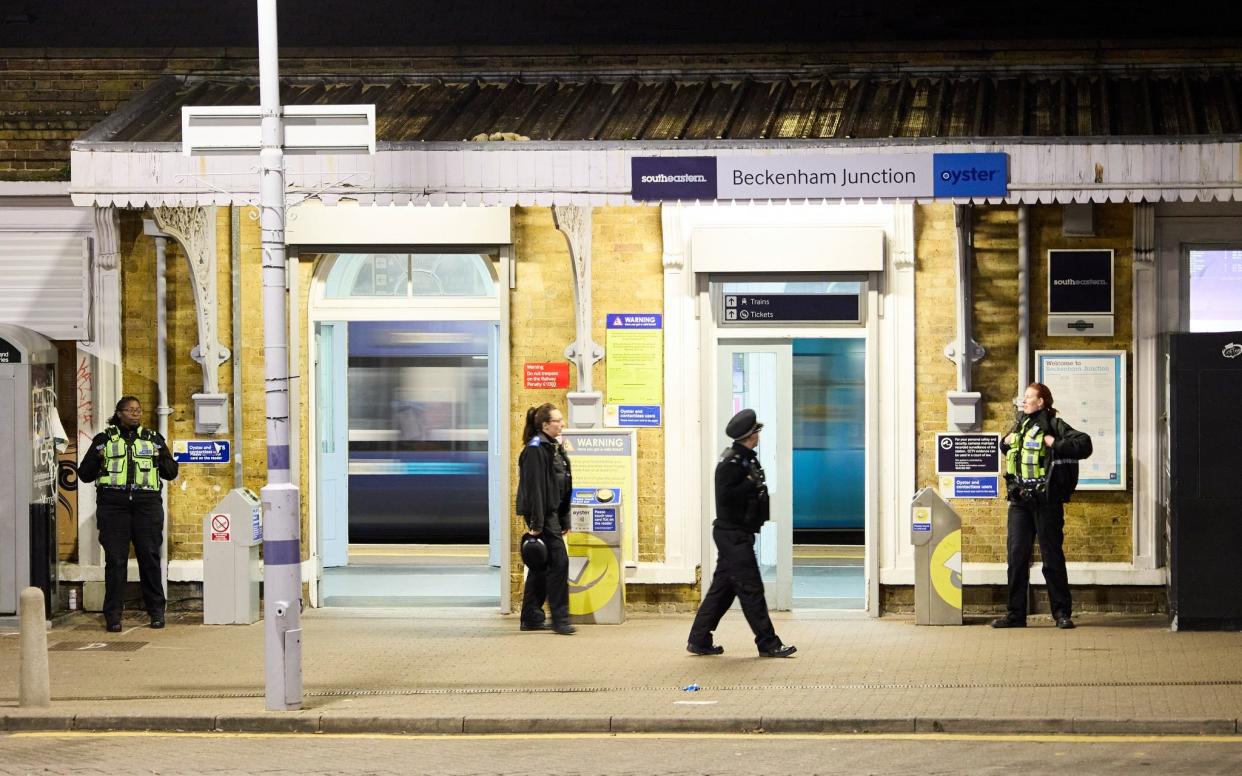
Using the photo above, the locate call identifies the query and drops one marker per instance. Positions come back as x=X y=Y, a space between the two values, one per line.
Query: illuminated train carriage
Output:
x=418 y=432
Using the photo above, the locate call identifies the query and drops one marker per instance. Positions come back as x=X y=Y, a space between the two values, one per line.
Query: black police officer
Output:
x=126 y=462
x=741 y=510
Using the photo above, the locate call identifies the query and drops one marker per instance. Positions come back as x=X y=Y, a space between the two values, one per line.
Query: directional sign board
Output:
x=791 y=308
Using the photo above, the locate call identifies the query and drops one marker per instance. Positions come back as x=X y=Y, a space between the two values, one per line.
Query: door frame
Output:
x=428 y=309
x=712 y=334
x=782 y=506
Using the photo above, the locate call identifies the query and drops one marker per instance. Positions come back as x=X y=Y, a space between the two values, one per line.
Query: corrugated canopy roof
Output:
x=1122 y=103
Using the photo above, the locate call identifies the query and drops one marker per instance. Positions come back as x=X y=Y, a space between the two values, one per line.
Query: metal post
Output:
x=282 y=554
x=162 y=410
x=1024 y=304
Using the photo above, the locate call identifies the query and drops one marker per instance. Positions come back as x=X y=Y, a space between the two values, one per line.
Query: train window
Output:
x=356 y=275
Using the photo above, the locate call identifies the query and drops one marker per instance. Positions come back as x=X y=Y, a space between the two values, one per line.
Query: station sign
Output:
x=791 y=308
x=1080 y=293
x=819 y=176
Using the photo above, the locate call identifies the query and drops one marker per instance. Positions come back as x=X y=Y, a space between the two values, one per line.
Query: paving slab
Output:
x=451 y=671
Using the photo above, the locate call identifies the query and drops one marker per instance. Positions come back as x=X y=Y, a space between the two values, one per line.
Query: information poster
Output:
x=968 y=465
x=607 y=460
x=1089 y=392
x=634 y=360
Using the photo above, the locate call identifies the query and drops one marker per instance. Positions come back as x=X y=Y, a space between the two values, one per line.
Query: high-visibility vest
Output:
x=1027 y=458
x=130 y=465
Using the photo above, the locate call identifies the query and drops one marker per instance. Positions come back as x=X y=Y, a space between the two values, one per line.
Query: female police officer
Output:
x=741 y=510
x=1041 y=472
x=544 y=482
x=126 y=463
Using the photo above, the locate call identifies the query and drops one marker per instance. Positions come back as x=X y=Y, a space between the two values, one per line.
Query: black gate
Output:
x=1205 y=521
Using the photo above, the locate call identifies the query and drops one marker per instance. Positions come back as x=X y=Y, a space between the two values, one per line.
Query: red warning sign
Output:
x=220 y=528
x=549 y=374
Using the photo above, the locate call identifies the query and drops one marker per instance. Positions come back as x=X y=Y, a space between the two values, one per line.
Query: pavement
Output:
x=472 y=671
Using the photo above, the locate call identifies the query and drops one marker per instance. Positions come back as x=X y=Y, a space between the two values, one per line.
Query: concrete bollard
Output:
x=35 y=686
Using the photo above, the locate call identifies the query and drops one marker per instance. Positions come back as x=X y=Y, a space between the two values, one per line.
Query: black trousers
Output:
x=551 y=586
x=1028 y=520
x=139 y=522
x=737 y=576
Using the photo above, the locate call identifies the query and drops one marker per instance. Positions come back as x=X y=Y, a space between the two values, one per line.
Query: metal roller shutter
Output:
x=44 y=280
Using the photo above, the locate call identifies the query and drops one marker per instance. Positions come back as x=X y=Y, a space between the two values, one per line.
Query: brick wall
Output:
x=627 y=276
x=1098 y=524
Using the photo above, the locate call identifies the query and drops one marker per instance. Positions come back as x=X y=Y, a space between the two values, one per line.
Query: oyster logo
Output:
x=946 y=569
x=1232 y=350
x=594 y=574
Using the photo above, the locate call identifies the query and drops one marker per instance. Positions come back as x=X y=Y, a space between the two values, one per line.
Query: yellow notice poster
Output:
x=634 y=358
x=608 y=459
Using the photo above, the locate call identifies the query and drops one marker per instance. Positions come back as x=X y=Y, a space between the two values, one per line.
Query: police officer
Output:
x=544 y=482
x=1041 y=472
x=741 y=510
x=126 y=463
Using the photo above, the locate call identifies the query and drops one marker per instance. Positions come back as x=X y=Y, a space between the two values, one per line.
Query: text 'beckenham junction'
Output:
x=844 y=177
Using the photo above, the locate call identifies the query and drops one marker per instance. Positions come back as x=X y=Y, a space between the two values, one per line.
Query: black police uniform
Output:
x=544 y=483
x=1038 y=510
x=125 y=515
x=741 y=509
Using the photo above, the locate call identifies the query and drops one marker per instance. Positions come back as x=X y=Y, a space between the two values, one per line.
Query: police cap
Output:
x=742 y=425
x=534 y=552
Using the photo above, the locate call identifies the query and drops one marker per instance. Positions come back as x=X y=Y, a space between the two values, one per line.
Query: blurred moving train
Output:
x=418 y=431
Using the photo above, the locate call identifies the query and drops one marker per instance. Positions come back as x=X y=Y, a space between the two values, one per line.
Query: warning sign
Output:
x=546 y=375
x=220 y=528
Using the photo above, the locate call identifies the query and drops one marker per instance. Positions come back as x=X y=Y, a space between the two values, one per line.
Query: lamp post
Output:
x=270 y=130
x=282 y=524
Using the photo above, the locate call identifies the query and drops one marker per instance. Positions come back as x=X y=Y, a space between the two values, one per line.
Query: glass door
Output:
x=758 y=375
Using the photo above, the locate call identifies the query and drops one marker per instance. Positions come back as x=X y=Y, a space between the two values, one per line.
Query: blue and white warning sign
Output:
x=201 y=451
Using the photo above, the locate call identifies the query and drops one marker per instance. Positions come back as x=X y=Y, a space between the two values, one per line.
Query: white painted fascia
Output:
x=34 y=188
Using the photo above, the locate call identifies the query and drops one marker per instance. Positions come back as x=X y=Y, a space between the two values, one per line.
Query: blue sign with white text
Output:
x=673 y=178
x=201 y=451
x=635 y=320
x=645 y=415
x=970 y=175
x=976 y=487
x=595 y=496
x=604 y=519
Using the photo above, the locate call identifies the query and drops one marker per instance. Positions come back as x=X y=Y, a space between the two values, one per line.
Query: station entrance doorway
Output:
x=409 y=378
x=807 y=380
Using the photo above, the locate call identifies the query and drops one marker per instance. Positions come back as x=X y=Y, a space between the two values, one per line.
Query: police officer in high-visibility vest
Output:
x=1041 y=471
x=126 y=462
x=741 y=510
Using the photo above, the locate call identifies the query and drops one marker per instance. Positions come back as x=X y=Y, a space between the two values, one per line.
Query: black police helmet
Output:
x=534 y=552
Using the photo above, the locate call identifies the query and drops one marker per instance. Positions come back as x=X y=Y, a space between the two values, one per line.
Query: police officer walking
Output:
x=126 y=462
x=1041 y=472
x=741 y=510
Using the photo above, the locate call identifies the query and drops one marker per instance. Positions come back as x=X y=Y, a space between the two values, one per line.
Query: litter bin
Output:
x=232 y=535
x=596 y=581
x=936 y=533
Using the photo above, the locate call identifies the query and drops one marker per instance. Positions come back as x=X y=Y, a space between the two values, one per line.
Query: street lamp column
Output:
x=282 y=553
